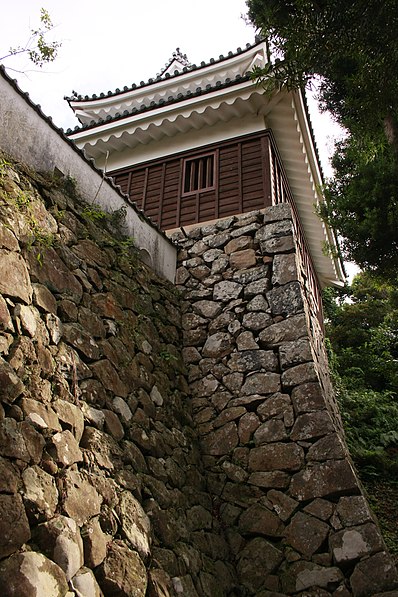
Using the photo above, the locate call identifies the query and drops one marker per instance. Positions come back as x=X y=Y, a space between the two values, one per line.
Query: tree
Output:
x=39 y=50
x=363 y=336
x=351 y=47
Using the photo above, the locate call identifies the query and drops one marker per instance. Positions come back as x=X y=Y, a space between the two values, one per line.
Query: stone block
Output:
x=229 y=414
x=239 y=244
x=71 y=416
x=306 y=534
x=257 y=558
x=271 y=431
x=226 y=291
x=65 y=449
x=275 y=229
x=218 y=345
x=241 y=494
x=94 y=543
x=31 y=573
x=308 y=397
x=261 y=383
x=258 y=303
x=353 y=510
x=305 y=575
x=207 y=309
x=278 y=456
x=251 y=274
x=135 y=524
x=221 y=441
x=14 y=525
x=9 y=476
x=327 y=448
x=248 y=424
x=40 y=494
x=10 y=385
x=80 y=499
x=284 y=269
x=282 y=244
x=283 y=505
x=122 y=572
x=258 y=520
x=272 y=479
x=372 y=575
x=60 y=538
x=273 y=406
x=328 y=478
x=54 y=274
x=84 y=584
x=355 y=542
x=312 y=425
x=20 y=441
x=320 y=508
x=299 y=374
x=257 y=287
x=256 y=321
x=113 y=425
x=242 y=259
x=288 y=330
x=14 y=277
x=252 y=360
x=274 y=213
x=5 y=317
x=109 y=378
x=294 y=353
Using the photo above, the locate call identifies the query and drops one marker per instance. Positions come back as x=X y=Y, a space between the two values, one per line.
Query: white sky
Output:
x=110 y=44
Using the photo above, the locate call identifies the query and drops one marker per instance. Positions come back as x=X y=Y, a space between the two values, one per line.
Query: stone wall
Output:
x=101 y=482
x=124 y=471
x=276 y=463
x=28 y=135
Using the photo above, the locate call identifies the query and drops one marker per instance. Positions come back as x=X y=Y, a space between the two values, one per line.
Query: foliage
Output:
x=362 y=205
x=363 y=340
x=351 y=49
x=39 y=50
x=350 y=45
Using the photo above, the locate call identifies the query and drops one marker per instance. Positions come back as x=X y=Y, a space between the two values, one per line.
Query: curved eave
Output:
x=167 y=121
x=239 y=64
x=293 y=136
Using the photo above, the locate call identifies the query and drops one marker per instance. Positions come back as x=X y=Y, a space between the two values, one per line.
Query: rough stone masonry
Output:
x=271 y=436
x=108 y=484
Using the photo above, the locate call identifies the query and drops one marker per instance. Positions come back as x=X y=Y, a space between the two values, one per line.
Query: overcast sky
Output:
x=107 y=45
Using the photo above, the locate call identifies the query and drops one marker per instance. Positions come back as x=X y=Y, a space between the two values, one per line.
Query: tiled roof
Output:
x=75 y=97
x=161 y=103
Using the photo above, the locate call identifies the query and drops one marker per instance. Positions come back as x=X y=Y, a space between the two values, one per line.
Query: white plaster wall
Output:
x=182 y=142
x=27 y=136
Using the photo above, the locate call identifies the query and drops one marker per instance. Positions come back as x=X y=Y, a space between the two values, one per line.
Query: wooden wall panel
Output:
x=241 y=183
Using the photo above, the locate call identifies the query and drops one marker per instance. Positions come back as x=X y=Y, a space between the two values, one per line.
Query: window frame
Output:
x=196 y=159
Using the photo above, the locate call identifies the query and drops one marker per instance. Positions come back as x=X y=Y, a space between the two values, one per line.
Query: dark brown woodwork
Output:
x=248 y=174
x=236 y=178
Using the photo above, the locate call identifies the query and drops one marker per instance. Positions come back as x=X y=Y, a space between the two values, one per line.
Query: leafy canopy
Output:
x=351 y=46
x=363 y=339
x=351 y=49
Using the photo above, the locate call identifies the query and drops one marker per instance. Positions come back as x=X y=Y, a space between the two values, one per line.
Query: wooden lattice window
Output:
x=199 y=173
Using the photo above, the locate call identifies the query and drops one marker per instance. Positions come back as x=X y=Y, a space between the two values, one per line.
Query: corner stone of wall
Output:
x=277 y=467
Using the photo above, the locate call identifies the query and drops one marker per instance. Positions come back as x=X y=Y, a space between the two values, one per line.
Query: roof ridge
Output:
x=177 y=56
x=76 y=97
